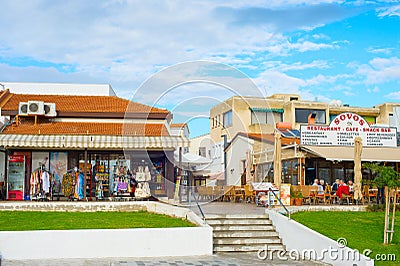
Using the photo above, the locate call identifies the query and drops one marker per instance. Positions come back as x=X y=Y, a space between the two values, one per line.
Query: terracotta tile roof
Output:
x=74 y=128
x=84 y=104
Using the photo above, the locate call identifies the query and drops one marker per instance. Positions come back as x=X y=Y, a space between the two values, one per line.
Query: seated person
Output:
x=322 y=183
x=316 y=183
x=335 y=186
x=351 y=186
x=321 y=189
x=342 y=189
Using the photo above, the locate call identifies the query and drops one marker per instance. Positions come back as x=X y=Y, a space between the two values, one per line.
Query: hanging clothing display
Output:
x=80 y=186
x=147 y=174
x=40 y=184
x=68 y=184
x=46 y=182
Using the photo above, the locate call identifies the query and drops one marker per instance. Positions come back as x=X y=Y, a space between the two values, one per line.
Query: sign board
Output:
x=342 y=131
x=285 y=194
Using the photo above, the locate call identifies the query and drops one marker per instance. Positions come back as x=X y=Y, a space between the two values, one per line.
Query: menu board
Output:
x=344 y=129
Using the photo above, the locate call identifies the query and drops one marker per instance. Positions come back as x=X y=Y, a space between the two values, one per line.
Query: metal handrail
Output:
x=198 y=206
x=280 y=202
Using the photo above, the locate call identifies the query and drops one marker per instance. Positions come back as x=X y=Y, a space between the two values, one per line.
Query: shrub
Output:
x=380 y=207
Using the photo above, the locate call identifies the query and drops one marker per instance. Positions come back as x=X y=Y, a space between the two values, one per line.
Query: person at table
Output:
x=335 y=186
x=342 y=189
x=351 y=186
x=322 y=183
x=316 y=183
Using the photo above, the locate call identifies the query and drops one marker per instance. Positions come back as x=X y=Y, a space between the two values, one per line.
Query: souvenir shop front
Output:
x=92 y=174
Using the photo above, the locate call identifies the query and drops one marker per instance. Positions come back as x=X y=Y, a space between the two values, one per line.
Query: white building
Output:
x=59 y=88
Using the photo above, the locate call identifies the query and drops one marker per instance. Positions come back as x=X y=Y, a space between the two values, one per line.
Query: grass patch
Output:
x=24 y=221
x=362 y=230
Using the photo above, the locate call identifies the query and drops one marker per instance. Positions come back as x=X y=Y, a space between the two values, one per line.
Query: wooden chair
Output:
x=365 y=193
x=324 y=198
x=218 y=193
x=209 y=193
x=307 y=194
x=313 y=193
x=348 y=198
x=398 y=195
x=249 y=194
x=239 y=193
x=201 y=191
x=333 y=198
x=371 y=195
x=229 y=193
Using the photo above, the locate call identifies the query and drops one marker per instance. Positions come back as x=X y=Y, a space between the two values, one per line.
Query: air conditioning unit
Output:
x=35 y=108
x=50 y=109
x=23 y=108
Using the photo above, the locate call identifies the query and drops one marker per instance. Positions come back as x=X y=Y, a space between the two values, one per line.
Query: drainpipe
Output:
x=225 y=174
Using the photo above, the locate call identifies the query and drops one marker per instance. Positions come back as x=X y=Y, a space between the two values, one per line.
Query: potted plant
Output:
x=296 y=195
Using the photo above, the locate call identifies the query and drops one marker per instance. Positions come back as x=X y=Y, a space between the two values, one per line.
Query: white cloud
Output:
x=124 y=42
x=380 y=70
x=385 y=51
x=348 y=93
x=277 y=82
x=316 y=64
x=393 y=95
x=373 y=90
x=389 y=11
x=319 y=79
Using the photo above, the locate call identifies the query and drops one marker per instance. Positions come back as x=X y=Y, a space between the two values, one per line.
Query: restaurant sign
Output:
x=342 y=131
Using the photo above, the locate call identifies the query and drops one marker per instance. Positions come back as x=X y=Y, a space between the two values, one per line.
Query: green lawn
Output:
x=362 y=230
x=22 y=221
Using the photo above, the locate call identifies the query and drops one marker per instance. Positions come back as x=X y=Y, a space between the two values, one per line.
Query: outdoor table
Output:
x=264 y=187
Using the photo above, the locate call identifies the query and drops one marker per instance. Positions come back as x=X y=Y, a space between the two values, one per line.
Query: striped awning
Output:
x=91 y=141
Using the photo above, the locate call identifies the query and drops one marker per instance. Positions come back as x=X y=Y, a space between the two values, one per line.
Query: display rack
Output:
x=88 y=176
x=157 y=184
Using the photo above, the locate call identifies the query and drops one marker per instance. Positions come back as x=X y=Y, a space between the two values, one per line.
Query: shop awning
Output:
x=266 y=110
x=369 y=154
x=217 y=176
x=90 y=141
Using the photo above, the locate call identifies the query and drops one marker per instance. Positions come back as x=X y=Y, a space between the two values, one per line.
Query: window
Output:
x=265 y=117
x=228 y=119
x=302 y=115
x=202 y=151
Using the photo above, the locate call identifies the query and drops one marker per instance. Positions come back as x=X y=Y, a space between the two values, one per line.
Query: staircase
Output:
x=243 y=233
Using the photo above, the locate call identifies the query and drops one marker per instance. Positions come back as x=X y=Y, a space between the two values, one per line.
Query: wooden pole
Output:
x=387 y=212
x=393 y=215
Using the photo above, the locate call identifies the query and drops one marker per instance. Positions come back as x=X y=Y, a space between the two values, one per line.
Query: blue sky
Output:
x=325 y=50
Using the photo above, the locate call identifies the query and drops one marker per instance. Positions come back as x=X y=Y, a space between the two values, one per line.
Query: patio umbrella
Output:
x=278 y=160
x=357 y=168
x=249 y=164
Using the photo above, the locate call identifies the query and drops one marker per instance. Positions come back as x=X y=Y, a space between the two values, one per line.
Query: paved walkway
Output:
x=214 y=260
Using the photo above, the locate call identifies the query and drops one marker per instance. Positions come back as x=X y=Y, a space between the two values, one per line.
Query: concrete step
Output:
x=243 y=227
x=263 y=221
x=247 y=241
x=244 y=234
x=236 y=216
x=245 y=248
